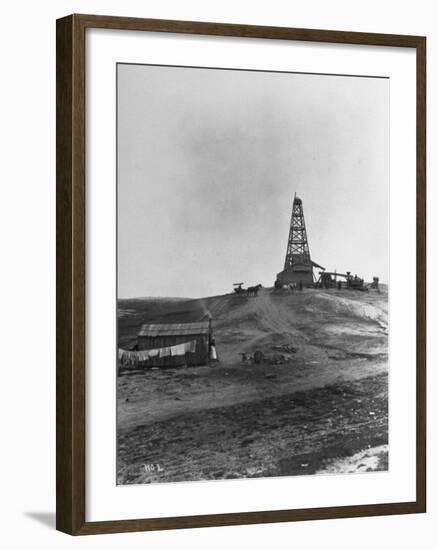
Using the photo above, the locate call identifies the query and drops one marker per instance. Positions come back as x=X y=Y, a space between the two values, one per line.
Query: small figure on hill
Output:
x=213 y=351
x=238 y=288
x=244 y=357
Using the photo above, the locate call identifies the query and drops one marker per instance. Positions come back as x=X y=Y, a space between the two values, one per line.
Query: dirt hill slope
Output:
x=349 y=322
x=346 y=322
x=323 y=409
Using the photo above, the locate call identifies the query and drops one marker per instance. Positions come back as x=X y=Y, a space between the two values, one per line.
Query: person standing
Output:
x=212 y=351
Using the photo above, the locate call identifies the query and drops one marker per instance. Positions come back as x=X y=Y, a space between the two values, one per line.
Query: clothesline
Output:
x=132 y=358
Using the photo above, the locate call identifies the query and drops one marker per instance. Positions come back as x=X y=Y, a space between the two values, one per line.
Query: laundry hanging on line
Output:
x=132 y=358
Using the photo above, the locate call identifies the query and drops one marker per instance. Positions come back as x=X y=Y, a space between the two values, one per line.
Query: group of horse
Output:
x=294 y=286
x=250 y=291
x=290 y=287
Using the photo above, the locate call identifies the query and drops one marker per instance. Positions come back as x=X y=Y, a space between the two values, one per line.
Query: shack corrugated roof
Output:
x=175 y=329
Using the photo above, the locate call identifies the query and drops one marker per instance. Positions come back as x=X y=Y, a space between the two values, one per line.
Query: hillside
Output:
x=348 y=322
x=257 y=417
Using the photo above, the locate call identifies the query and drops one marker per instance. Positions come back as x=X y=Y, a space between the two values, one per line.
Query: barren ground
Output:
x=325 y=410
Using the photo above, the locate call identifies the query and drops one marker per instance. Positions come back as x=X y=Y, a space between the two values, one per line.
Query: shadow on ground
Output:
x=45 y=518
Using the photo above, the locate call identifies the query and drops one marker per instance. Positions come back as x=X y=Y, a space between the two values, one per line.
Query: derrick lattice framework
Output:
x=298 y=251
x=298 y=266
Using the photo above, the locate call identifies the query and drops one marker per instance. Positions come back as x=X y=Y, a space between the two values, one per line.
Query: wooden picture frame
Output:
x=71 y=247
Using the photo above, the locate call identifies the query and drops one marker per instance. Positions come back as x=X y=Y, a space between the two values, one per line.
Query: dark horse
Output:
x=253 y=290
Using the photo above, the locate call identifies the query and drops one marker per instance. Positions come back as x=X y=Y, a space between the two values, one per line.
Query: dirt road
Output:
x=325 y=405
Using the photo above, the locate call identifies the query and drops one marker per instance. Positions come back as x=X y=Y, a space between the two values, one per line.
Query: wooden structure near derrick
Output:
x=298 y=266
x=153 y=336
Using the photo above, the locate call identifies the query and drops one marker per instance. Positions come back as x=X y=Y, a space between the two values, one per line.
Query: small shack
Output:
x=172 y=336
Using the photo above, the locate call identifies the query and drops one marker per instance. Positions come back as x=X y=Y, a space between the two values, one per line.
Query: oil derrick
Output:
x=298 y=266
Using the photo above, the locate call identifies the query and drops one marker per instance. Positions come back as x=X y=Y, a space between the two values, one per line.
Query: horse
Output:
x=253 y=290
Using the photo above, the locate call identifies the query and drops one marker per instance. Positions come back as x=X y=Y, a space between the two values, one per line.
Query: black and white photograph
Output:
x=219 y=275
x=252 y=274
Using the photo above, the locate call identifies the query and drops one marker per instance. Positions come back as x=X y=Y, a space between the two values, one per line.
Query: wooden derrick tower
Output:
x=298 y=266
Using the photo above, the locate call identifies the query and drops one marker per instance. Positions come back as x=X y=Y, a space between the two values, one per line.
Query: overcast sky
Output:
x=208 y=164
